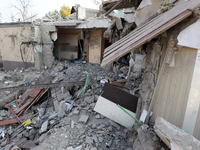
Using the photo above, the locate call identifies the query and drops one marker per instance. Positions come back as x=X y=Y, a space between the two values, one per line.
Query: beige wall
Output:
x=10 y=41
x=95 y=43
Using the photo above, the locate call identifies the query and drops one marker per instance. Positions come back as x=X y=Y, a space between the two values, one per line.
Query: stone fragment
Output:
x=56 y=105
x=3 y=114
x=89 y=99
x=64 y=144
x=96 y=97
x=98 y=116
x=76 y=111
x=89 y=140
x=78 y=147
x=62 y=109
x=114 y=124
x=100 y=139
x=100 y=127
x=110 y=128
x=72 y=124
x=44 y=126
x=94 y=126
x=83 y=119
x=70 y=148
x=95 y=138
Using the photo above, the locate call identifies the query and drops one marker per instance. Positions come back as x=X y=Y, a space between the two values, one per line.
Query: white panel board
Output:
x=190 y=36
x=193 y=100
x=113 y=112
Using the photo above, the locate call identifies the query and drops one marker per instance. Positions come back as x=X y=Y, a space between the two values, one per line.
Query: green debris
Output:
x=82 y=93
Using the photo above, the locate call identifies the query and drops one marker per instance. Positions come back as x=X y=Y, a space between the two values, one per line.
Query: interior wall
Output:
x=68 y=43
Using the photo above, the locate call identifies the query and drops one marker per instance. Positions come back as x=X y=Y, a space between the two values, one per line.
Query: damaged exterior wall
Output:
x=143 y=14
x=150 y=75
x=47 y=47
x=173 y=90
x=95 y=44
x=11 y=37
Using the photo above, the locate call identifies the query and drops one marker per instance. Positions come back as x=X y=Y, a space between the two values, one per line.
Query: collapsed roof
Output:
x=148 y=30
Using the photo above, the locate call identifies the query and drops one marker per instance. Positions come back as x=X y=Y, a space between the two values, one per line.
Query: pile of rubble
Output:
x=56 y=111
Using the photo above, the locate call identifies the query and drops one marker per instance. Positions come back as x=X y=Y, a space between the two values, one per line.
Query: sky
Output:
x=41 y=7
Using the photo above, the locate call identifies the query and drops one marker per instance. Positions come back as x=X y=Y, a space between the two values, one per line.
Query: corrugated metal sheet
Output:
x=148 y=30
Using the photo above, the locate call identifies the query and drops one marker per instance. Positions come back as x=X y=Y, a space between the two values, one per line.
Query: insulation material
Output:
x=190 y=36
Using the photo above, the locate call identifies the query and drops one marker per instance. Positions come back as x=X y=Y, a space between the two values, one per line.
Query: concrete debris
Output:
x=62 y=109
x=83 y=119
x=89 y=99
x=145 y=141
x=44 y=126
x=174 y=137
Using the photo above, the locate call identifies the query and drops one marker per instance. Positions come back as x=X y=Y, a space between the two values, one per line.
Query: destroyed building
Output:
x=80 y=34
x=140 y=89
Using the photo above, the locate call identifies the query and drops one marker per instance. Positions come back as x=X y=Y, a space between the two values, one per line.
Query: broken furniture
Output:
x=107 y=105
x=120 y=83
x=23 y=106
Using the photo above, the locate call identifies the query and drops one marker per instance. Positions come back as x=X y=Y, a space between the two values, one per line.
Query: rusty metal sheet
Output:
x=34 y=92
x=11 y=110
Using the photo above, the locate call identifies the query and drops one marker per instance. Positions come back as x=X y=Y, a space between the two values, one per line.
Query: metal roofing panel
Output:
x=148 y=30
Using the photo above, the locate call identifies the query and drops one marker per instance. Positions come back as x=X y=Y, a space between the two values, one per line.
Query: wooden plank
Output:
x=17 y=110
x=132 y=45
x=180 y=8
x=12 y=121
x=59 y=84
x=28 y=145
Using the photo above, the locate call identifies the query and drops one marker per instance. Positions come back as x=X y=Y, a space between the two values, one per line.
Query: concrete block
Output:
x=44 y=126
x=38 y=60
x=119 y=23
x=83 y=119
x=56 y=105
x=168 y=132
x=72 y=124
